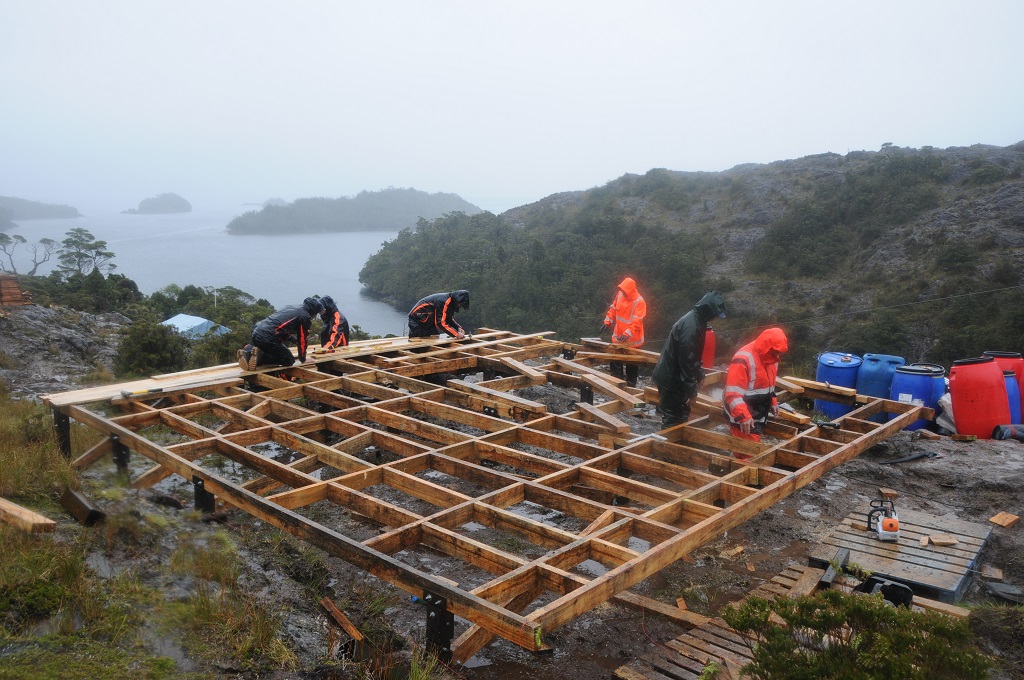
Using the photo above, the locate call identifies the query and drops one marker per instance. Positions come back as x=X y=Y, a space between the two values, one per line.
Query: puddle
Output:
x=638 y=544
x=809 y=511
x=592 y=567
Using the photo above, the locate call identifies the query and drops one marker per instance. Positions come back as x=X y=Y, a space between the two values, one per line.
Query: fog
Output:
x=108 y=102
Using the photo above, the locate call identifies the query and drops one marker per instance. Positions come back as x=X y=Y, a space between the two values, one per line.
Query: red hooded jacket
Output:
x=750 y=383
x=626 y=314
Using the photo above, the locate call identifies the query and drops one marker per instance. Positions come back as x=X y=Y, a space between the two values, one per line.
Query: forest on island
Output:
x=386 y=210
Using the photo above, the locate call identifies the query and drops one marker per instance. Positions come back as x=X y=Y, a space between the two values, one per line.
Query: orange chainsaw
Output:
x=882 y=518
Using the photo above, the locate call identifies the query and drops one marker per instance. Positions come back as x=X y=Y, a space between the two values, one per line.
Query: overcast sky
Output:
x=106 y=102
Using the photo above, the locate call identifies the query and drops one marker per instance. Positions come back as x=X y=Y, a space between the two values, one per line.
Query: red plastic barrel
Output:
x=1010 y=361
x=978 y=391
x=707 y=359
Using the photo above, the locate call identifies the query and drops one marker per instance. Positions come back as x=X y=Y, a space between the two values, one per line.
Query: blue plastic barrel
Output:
x=1010 y=361
x=1012 y=396
x=940 y=382
x=874 y=378
x=840 y=370
x=920 y=384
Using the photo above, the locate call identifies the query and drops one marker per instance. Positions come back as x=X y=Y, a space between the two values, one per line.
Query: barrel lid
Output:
x=921 y=369
x=890 y=358
x=940 y=367
x=974 y=360
x=1001 y=355
x=834 y=358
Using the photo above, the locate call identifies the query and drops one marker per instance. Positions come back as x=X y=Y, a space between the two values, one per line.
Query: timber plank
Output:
x=25 y=519
x=595 y=414
x=612 y=391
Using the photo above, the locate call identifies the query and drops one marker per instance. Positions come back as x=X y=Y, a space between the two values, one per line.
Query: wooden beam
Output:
x=511 y=399
x=596 y=415
x=24 y=519
x=609 y=390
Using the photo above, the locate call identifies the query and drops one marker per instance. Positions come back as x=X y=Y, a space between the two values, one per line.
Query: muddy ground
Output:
x=970 y=481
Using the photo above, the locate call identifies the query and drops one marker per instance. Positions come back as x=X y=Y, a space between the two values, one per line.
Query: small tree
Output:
x=150 y=348
x=41 y=252
x=8 y=244
x=81 y=253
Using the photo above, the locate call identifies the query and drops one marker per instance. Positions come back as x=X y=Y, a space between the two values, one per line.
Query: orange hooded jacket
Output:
x=626 y=314
x=750 y=383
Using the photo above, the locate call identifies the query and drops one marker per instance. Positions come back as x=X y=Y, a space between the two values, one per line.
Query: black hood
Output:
x=312 y=306
x=710 y=306
x=462 y=298
x=328 y=302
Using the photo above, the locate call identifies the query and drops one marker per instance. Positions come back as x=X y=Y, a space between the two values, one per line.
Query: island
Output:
x=160 y=205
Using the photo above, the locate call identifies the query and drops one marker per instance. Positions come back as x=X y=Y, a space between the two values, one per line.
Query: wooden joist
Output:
x=465 y=453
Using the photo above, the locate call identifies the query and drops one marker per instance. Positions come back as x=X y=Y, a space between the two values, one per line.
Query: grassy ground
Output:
x=60 y=617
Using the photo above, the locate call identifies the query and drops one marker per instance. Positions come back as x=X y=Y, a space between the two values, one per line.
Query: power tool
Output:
x=882 y=518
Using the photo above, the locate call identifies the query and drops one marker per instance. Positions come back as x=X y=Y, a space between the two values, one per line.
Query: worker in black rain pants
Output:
x=335 y=331
x=435 y=314
x=270 y=335
x=679 y=373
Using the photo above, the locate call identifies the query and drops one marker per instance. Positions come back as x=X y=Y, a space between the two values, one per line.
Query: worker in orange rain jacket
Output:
x=435 y=314
x=749 y=395
x=625 y=318
x=335 y=331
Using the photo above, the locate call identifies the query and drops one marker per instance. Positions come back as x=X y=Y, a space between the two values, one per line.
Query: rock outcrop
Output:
x=46 y=350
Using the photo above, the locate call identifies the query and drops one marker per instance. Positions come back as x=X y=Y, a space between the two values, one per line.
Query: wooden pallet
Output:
x=940 y=572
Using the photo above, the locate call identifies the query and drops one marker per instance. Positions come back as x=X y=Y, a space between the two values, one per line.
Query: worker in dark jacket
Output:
x=335 y=331
x=679 y=373
x=435 y=314
x=270 y=335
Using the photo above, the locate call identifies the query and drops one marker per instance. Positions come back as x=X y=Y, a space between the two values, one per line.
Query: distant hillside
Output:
x=163 y=204
x=867 y=252
x=21 y=209
x=385 y=210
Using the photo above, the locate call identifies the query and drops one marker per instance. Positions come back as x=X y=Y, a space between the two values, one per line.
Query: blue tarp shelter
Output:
x=195 y=326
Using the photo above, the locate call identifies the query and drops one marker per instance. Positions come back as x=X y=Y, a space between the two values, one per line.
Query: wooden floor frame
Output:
x=475 y=454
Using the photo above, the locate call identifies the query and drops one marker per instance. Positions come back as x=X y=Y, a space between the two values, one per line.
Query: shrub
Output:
x=835 y=635
x=150 y=348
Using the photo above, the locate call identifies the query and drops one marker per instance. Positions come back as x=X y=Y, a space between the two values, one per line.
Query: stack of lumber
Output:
x=11 y=294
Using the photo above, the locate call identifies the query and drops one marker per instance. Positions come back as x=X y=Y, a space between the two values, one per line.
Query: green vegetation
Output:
x=835 y=635
x=542 y=277
x=849 y=214
x=386 y=210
